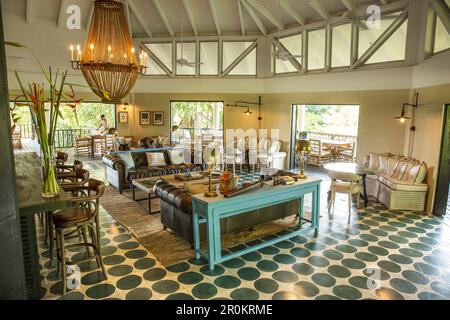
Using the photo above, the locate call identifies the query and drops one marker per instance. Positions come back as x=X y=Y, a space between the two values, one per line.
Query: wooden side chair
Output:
x=82 y=146
x=347 y=183
x=318 y=155
x=82 y=217
x=347 y=153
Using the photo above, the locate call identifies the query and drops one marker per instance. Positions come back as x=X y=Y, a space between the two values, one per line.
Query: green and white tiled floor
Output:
x=407 y=248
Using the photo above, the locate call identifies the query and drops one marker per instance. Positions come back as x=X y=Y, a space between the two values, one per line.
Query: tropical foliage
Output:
x=336 y=119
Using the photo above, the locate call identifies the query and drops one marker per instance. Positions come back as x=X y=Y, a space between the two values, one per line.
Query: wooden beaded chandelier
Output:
x=108 y=60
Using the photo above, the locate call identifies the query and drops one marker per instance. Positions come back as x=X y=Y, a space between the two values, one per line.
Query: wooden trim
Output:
x=443 y=180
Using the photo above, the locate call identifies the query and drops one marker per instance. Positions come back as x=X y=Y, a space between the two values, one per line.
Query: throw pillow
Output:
x=128 y=159
x=413 y=172
x=374 y=161
x=176 y=156
x=411 y=163
x=391 y=164
x=421 y=174
x=400 y=169
x=156 y=159
x=382 y=163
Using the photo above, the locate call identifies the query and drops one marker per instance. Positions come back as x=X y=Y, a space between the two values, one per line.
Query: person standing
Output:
x=104 y=127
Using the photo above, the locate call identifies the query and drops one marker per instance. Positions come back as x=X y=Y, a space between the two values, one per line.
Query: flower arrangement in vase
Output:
x=37 y=97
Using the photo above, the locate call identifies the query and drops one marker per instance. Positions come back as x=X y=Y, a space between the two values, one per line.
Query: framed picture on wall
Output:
x=123 y=117
x=158 y=118
x=144 y=118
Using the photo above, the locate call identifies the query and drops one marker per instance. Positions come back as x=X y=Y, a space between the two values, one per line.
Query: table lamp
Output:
x=302 y=147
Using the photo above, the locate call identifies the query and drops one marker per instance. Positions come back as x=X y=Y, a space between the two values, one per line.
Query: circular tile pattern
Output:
x=120 y=270
x=190 y=277
x=306 y=289
x=266 y=285
x=323 y=280
x=300 y=252
x=267 y=266
x=154 y=274
x=129 y=282
x=204 y=291
x=317 y=261
x=285 y=276
x=227 y=282
x=165 y=286
x=244 y=294
x=135 y=254
x=100 y=291
x=284 y=258
x=303 y=269
x=403 y=286
x=248 y=273
x=347 y=292
x=333 y=254
x=339 y=271
x=139 y=294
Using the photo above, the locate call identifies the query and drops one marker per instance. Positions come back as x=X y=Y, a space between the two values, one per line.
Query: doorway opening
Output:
x=331 y=129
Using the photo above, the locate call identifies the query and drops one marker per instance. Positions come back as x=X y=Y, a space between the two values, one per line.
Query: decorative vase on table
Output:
x=44 y=106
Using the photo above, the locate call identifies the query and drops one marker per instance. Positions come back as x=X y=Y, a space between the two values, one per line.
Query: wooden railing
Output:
x=331 y=136
x=64 y=137
x=27 y=131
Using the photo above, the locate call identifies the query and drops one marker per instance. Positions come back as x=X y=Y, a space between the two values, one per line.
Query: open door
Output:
x=441 y=202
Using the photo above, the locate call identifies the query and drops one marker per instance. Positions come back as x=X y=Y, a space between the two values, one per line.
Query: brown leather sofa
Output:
x=120 y=177
x=176 y=213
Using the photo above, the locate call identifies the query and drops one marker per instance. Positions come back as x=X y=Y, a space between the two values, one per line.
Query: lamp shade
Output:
x=302 y=146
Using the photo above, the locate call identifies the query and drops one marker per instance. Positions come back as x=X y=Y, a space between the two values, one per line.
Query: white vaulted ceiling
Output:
x=165 y=18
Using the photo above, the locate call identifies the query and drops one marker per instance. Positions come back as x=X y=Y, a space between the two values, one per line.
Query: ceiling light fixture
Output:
x=108 y=60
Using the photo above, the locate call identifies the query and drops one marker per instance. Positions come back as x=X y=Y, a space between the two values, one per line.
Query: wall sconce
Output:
x=125 y=105
x=245 y=104
x=402 y=118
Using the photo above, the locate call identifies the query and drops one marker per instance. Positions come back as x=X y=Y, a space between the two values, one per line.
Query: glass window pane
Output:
x=442 y=38
x=232 y=50
x=247 y=66
x=341 y=46
x=186 y=51
x=316 y=49
x=163 y=51
x=209 y=58
x=154 y=69
x=394 y=48
x=368 y=34
x=293 y=44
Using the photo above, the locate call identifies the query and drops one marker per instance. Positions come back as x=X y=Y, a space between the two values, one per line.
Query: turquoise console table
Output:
x=211 y=210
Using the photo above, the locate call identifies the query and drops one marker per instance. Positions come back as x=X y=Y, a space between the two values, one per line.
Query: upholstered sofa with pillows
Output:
x=396 y=181
x=124 y=166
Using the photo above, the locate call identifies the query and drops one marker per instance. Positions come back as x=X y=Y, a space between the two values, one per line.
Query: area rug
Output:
x=165 y=245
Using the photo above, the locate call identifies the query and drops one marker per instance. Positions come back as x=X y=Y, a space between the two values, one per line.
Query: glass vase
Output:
x=50 y=186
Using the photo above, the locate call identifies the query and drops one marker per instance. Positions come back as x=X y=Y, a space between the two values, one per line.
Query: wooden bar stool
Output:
x=83 y=217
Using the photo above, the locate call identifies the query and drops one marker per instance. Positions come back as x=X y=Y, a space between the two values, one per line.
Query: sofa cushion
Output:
x=413 y=172
x=128 y=159
x=156 y=159
x=421 y=174
x=399 y=185
x=374 y=161
x=176 y=156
